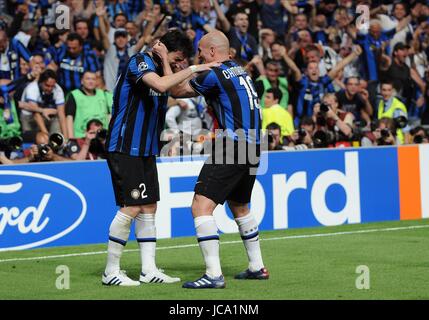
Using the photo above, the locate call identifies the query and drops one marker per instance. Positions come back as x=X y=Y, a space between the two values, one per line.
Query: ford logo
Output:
x=49 y=208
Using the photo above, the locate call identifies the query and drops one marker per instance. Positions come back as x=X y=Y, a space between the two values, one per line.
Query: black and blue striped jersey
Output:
x=231 y=92
x=138 y=112
x=70 y=69
x=9 y=61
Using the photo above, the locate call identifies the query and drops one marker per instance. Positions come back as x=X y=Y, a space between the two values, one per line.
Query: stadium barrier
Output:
x=71 y=203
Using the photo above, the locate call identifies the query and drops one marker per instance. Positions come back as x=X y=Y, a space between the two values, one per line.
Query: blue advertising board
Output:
x=71 y=203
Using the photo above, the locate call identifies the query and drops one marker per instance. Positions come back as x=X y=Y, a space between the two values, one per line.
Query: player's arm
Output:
x=165 y=83
x=170 y=79
x=184 y=91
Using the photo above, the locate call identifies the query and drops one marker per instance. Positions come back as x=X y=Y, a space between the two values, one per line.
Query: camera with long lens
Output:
x=418 y=139
x=322 y=139
x=360 y=129
x=56 y=142
x=97 y=145
x=270 y=138
x=8 y=145
x=419 y=134
x=302 y=133
x=384 y=134
x=401 y=122
x=324 y=108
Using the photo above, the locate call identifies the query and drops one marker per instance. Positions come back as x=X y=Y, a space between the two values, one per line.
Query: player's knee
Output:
x=238 y=209
x=148 y=208
x=131 y=211
x=202 y=206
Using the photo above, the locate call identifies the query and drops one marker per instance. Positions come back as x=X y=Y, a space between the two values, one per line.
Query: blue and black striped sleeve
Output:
x=204 y=83
x=59 y=54
x=23 y=52
x=139 y=65
x=92 y=62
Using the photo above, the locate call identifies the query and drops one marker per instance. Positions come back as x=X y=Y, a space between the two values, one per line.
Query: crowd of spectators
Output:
x=329 y=73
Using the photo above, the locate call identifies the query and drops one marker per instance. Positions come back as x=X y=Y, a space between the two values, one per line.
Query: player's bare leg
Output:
x=146 y=237
x=248 y=228
x=208 y=240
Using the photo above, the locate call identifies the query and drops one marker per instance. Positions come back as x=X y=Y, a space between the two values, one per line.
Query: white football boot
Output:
x=157 y=276
x=119 y=278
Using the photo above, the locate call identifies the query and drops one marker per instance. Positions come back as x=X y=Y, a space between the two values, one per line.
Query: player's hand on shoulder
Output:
x=206 y=66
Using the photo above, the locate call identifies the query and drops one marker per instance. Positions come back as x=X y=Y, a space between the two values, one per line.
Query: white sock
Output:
x=208 y=239
x=118 y=237
x=248 y=228
x=146 y=237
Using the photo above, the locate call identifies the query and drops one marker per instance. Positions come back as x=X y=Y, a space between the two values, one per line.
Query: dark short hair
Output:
x=176 y=40
x=346 y=81
x=273 y=62
x=38 y=54
x=87 y=71
x=79 y=20
x=277 y=42
x=312 y=47
x=273 y=126
x=307 y=121
x=120 y=14
x=47 y=74
x=74 y=36
x=93 y=121
x=386 y=81
x=277 y=93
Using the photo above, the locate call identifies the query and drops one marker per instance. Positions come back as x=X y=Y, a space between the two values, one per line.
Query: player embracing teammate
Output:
x=229 y=173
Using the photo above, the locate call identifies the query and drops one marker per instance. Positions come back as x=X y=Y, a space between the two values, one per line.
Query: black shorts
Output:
x=134 y=179
x=223 y=181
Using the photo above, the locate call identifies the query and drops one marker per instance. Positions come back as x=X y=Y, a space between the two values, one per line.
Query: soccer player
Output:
x=229 y=89
x=138 y=115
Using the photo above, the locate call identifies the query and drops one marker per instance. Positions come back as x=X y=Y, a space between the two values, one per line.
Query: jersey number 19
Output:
x=253 y=96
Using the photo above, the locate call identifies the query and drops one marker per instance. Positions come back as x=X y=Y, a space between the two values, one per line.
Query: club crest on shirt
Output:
x=142 y=66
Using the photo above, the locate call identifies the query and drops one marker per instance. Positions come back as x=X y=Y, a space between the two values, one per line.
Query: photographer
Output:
x=334 y=127
x=91 y=147
x=382 y=134
x=45 y=99
x=302 y=138
x=275 y=141
x=419 y=135
x=47 y=148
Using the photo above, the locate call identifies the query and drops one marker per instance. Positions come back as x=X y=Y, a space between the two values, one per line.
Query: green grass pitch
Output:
x=301 y=265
